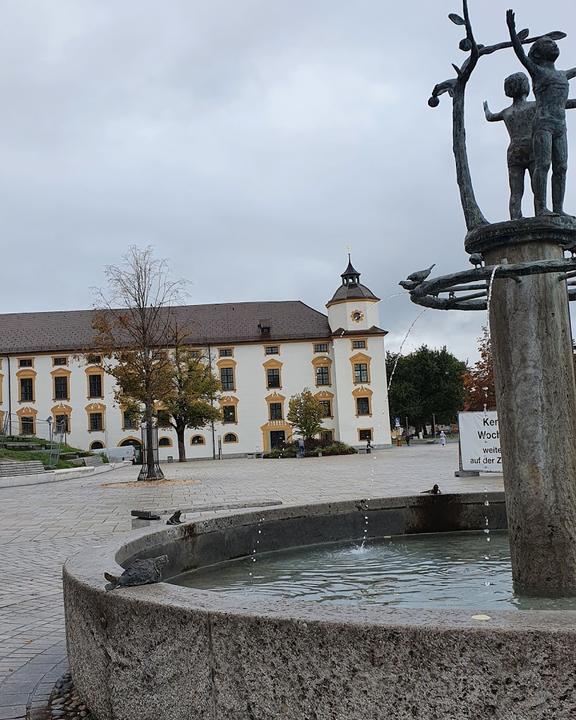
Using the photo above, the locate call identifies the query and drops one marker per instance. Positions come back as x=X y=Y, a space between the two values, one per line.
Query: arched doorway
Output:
x=136 y=444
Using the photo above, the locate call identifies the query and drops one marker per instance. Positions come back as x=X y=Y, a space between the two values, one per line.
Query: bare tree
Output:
x=133 y=327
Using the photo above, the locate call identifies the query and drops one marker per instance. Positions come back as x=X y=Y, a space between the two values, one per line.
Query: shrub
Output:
x=313 y=447
x=339 y=448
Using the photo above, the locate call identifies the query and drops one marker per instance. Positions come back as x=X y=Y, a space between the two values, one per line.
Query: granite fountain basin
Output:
x=165 y=652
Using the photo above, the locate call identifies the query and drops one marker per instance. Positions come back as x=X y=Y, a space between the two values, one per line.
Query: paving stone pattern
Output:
x=42 y=525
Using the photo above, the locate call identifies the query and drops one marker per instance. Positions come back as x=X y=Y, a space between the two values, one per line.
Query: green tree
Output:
x=426 y=384
x=305 y=413
x=189 y=403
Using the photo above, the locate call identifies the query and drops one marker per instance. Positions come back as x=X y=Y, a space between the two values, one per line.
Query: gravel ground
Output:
x=64 y=704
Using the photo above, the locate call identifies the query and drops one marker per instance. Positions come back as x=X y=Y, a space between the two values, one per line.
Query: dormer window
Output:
x=264 y=327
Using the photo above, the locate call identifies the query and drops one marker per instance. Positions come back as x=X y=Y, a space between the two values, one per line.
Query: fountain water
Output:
x=402 y=346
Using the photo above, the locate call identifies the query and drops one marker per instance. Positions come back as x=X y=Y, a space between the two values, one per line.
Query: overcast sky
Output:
x=250 y=142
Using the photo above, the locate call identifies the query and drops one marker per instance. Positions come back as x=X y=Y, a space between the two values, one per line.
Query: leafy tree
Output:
x=479 y=379
x=305 y=413
x=425 y=384
x=189 y=402
x=132 y=327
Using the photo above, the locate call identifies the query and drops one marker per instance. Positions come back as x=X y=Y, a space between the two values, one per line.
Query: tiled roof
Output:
x=353 y=291
x=71 y=330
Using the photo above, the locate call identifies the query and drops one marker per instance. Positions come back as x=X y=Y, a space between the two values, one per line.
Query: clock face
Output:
x=357 y=316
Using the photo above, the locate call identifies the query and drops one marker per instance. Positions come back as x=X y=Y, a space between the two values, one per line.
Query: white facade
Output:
x=345 y=368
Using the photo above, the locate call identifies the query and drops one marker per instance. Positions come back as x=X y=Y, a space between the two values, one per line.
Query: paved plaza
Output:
x=42 y=525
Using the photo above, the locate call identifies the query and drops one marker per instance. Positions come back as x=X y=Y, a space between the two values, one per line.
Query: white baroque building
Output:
x=263 y=352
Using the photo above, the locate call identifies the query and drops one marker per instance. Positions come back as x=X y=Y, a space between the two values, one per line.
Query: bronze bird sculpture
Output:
x=421 y=275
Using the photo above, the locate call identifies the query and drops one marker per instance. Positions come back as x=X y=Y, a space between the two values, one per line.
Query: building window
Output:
x=197 y=440
x=358 y=344
x=273 y=377
x=230 y=438
x=225 y=352
x=95 y=385
x=62 y=424
x=272 y=350
x=128 y=420
x=229 y=413
x=96 y=445
x=61 y=388
x=227 y=378
x=327 y=406
x=195 y=354
x=27 y=425
x=323 y=375
x=94 y=359
x=321 y=347
x=96 y=421
x=60 y=361
x=361 y=373
x=327 y=436
x=26 y=390
x=25 y=362
x=362 y=406
x=164 y=442
x=275 y=411
x=365 y=435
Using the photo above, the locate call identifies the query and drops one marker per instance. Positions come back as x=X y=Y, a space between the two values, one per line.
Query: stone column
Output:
x=536 y=399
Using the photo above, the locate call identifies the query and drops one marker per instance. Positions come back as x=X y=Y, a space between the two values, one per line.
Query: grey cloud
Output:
x=250 y=142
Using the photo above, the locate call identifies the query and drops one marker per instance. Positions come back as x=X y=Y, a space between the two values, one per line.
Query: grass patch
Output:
x=42 y=455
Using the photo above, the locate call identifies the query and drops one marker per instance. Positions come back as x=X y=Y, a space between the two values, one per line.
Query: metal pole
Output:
x=212 y=403
x=9 y=397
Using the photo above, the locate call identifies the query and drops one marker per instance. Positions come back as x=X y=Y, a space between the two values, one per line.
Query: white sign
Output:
x=480 y=441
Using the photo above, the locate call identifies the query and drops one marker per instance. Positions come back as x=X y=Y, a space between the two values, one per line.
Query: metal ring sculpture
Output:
x=468 y=290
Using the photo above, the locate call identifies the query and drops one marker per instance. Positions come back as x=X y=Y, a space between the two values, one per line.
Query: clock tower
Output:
x=359 y=369
x=353 y=307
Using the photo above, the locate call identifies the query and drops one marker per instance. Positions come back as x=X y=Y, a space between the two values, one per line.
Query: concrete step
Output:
x=9 y=468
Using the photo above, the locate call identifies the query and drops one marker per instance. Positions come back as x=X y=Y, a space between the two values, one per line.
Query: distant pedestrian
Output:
x=301 y=447
x=407 y=439
x=442 y=438
x=368 y=446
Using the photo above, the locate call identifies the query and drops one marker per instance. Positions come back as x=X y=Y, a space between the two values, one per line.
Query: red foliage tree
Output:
x=479 y=379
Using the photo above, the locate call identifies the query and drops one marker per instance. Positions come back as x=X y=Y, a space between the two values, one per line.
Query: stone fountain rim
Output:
x=88 y=566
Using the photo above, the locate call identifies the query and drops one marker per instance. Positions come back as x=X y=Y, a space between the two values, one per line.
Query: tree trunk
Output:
x=149 y=441
x=181 y=444
x=150 y=470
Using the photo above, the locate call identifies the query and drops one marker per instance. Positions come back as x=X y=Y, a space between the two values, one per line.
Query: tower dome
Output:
x=351 y=288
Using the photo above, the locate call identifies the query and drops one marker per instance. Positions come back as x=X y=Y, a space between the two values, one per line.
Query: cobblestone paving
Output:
x=42 y=525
